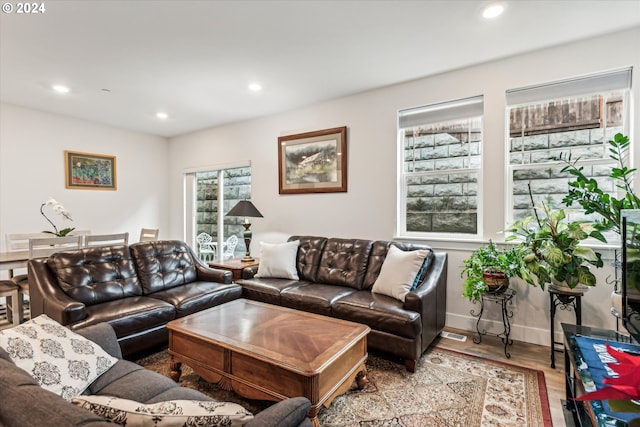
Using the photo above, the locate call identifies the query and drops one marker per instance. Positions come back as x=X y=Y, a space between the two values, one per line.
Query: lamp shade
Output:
x=244 y=208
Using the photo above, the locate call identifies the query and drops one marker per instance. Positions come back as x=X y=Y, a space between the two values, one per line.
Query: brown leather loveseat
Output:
x=336 y=277
x=137 y=289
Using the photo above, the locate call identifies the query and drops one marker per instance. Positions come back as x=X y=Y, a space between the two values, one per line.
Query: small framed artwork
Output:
x=89 y=171
x=313 y=162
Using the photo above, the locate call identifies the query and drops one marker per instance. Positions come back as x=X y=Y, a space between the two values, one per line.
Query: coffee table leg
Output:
x=361 y=378
x=314 y=419
x=176 y=370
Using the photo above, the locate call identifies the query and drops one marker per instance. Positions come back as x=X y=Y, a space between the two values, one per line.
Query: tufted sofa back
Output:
x=309 y=253
x=347 y=262
x=344 y=262
x=96 y=275
x=163 y=264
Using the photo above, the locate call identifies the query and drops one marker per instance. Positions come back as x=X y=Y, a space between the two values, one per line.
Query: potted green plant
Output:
x=552 y=249
x=587 y=193
x=489 y=269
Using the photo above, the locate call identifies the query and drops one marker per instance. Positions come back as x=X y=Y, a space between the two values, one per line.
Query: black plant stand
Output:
x=505 y=300
x=567 y=301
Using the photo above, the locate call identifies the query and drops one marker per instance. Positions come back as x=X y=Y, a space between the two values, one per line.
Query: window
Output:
x=575 y=117
x=440 y=162
x=210 y=195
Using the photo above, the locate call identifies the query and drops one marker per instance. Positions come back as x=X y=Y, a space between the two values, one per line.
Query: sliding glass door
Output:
x=210 y=194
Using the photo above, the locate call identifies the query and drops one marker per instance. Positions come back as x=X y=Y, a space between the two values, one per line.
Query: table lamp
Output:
x=246 y=209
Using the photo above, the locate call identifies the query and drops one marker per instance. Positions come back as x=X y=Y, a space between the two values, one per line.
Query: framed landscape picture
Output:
x=313 y=162
x=89 y=171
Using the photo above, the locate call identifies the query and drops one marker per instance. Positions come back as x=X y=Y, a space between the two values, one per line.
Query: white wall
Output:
x=368 y=209
x=32 y=145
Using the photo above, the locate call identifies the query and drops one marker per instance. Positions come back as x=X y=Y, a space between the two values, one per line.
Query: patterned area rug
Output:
x=448 y=389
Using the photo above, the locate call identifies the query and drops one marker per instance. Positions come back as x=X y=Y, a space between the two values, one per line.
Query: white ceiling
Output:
x=194 y=59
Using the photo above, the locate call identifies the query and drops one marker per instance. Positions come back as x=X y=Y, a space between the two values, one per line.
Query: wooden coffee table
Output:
x=267 y=352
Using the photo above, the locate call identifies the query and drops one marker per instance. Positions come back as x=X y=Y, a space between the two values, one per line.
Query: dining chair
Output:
x=206 y=247
x=42 y=248
x=106 y=239
x=12 y=297
x=149 y=234
x=20 y=242
x=83 y=233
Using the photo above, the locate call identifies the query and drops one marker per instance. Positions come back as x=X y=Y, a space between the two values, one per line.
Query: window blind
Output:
x=595 y=83
x=445 y=111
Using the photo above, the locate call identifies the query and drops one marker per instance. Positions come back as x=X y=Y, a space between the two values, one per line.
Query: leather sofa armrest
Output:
x=249 y=272
x=207 y=274
x=46 y=297
x=432 y=289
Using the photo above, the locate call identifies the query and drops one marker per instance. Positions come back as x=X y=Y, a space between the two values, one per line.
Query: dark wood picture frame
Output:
x=89 y=171
x=313 y=162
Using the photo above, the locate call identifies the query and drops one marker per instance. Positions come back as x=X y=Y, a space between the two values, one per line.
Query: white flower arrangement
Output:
x=59 y=209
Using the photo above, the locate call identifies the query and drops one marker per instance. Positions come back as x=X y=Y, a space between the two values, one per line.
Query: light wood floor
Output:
x=522 y=354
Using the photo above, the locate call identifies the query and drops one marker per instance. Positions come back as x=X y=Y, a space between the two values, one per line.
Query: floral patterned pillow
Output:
x=178 y=413
x=60 y=360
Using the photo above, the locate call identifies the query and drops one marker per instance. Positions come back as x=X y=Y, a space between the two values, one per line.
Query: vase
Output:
x=497 y=282
x=565 y=289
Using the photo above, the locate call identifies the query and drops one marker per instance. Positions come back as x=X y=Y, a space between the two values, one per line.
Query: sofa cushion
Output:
x=198 y=296
x=399 y=272
x=278 y=260
x=379 y=253
x=313 y=297
x=266 y=289
x=129 y=315
x=163 y=264
x=379 y=312
x=96 y=275
x=173 y=413
x=129 y=380
x=60 y=360
x=344 y=262
x=309 y=254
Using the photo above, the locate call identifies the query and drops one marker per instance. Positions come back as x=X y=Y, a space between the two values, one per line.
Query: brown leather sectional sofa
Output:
x=335 y=279
x=137 y=289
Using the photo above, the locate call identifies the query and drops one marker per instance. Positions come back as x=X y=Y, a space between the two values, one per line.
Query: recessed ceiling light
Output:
x=255 y=87
x=60 y=88
x=493 y=10
x=162 y=116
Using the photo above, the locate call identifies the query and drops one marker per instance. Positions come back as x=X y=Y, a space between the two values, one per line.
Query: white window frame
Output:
x=587 y=85
x=466 y=108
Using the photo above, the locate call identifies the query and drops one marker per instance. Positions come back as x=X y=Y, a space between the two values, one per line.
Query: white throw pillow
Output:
x=60 y=360
x=278 y=260
x=398 y=272
x=172 y=413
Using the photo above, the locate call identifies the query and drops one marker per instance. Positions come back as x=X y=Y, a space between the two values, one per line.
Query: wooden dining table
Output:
x=14 y=259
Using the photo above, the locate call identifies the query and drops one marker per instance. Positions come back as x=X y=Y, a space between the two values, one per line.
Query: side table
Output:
x=504 y=299
x=235 y=266
x=564 y=301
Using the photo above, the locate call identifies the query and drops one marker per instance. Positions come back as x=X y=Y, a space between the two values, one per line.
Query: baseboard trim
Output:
x=518 y=332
